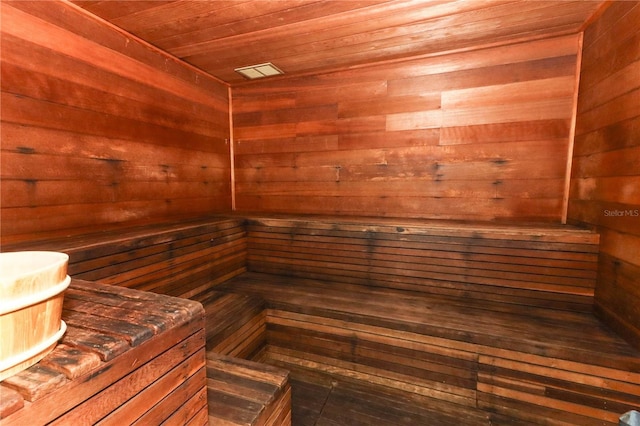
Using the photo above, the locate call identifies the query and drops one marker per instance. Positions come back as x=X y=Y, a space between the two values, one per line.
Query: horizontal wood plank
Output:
x=101 y=129
x=605 y=161
x=242 y=392
x=468 y=136
x=438 y=259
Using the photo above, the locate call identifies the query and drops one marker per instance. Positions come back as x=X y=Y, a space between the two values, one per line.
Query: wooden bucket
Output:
x=32 y=286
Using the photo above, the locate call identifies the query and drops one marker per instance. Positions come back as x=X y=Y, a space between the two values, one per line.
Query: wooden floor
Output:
x=342 y=403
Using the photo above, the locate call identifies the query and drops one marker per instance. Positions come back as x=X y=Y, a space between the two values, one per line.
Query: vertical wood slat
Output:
x=479 y=135
x=232 y=163
x=122 y=129
x=572 y=136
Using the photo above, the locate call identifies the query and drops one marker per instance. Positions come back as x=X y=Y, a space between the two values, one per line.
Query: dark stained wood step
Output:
x=125 y=355
x=242 y=392
x=467 y=352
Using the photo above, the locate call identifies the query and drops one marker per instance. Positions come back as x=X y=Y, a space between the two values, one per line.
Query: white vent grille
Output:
x=259 y=71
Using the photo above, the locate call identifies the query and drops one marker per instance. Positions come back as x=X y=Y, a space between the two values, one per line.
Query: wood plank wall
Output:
x=99 y=128
x=477 y=135
x=605 y=184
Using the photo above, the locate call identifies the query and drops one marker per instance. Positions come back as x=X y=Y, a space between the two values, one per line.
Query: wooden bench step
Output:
x=174 y=258
x=247 y=393
x=496 y=356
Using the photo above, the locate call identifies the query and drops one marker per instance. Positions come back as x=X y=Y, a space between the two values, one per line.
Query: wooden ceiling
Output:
x=307 y=36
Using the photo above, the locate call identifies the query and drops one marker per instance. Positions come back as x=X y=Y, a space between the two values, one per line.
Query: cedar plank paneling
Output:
x=605 y=175
x=100 y=128
x=478 y=135
x=124 y=7
x=309 y=37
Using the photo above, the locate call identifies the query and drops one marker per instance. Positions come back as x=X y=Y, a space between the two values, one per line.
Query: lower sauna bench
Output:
x=128 y=357
x=242 y=392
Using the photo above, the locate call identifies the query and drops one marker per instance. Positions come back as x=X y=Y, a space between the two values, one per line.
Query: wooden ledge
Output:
x=497 y=230
x=544 y=232
x=80 y=238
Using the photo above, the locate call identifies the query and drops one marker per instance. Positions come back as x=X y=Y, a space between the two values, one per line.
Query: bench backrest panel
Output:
x=535 y=266
x=179 y=258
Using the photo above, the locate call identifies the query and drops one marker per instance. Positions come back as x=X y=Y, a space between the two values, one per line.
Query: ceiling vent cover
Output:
x=259 y=71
